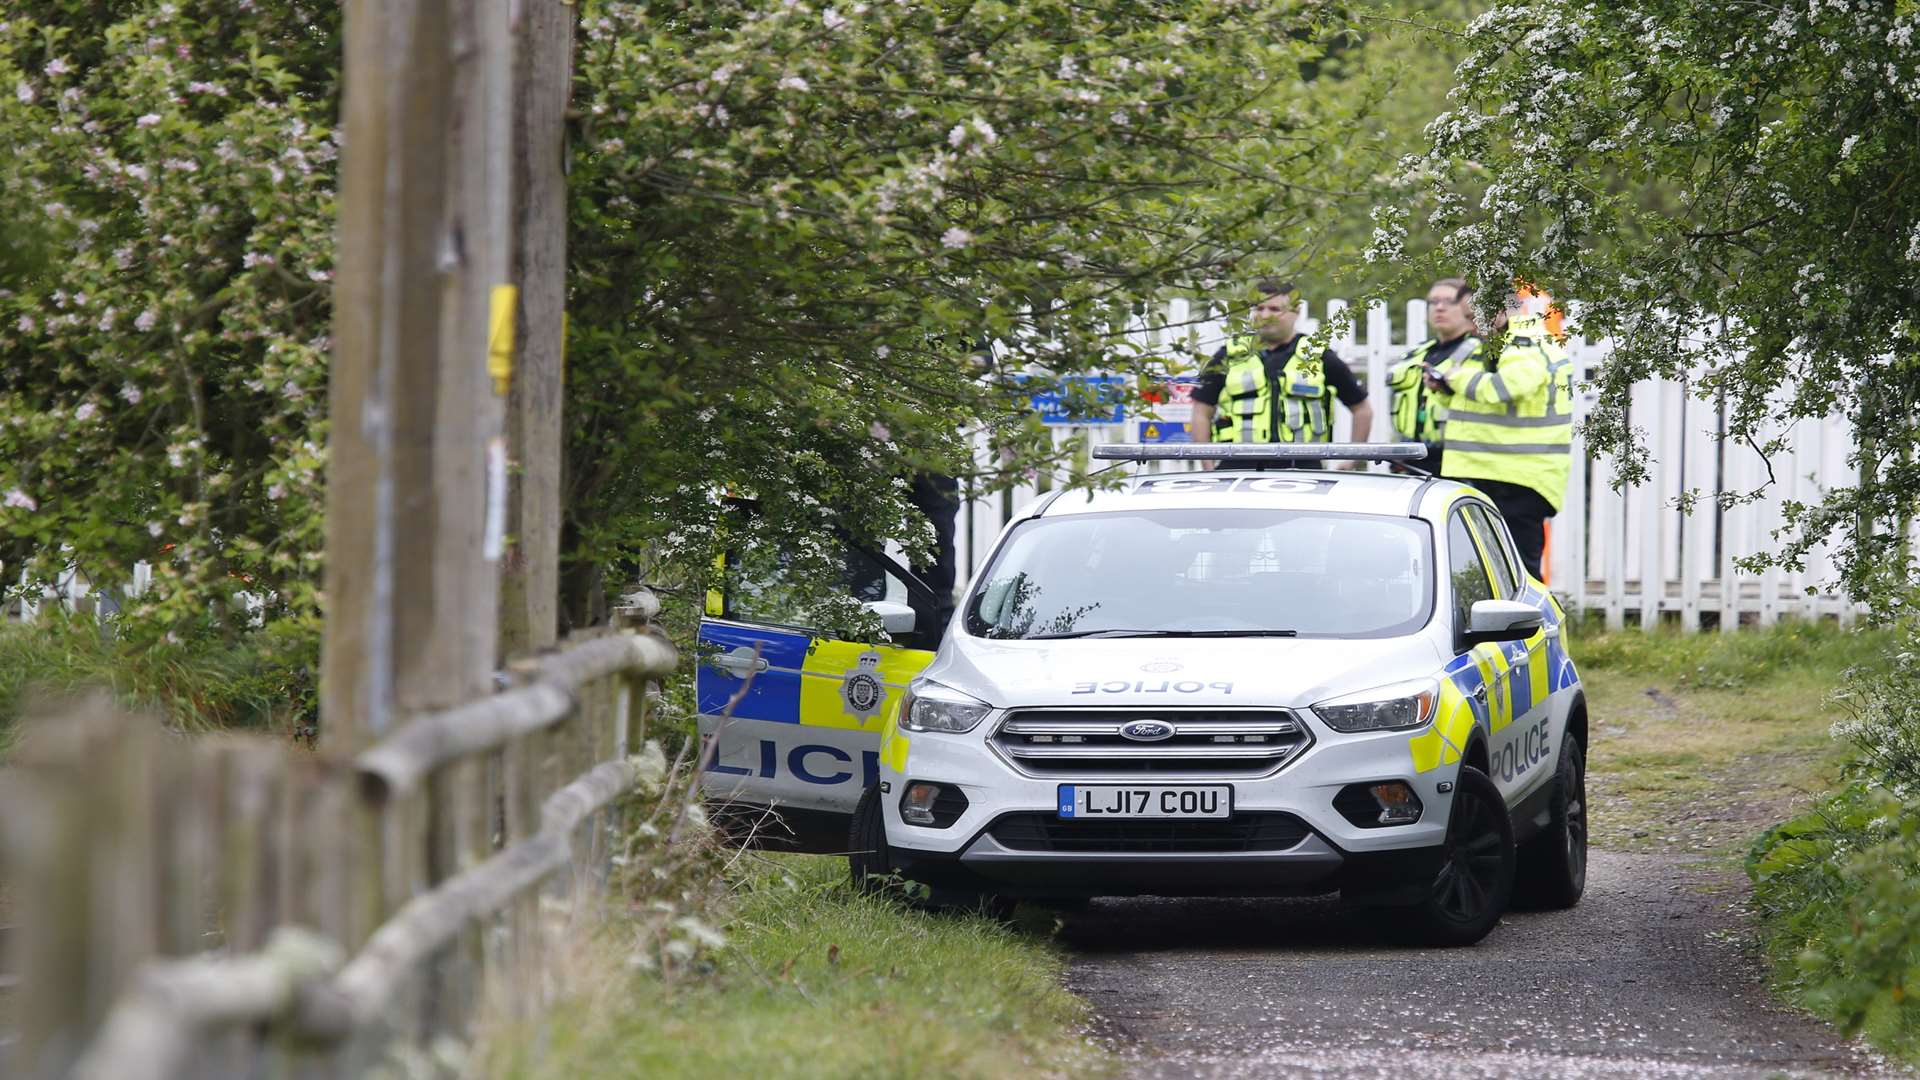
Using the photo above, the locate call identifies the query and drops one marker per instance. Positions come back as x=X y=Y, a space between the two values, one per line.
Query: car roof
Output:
x=1327 y=491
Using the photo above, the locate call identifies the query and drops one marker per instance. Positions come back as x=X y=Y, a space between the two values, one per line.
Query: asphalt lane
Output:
x=1652 y=975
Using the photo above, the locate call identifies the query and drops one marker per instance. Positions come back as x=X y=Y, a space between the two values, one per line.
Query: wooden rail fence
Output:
x=236 y=906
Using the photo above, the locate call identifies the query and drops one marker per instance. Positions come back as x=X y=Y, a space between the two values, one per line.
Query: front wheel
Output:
x=1470 y=892
x=1553 y=865
x=868 y=862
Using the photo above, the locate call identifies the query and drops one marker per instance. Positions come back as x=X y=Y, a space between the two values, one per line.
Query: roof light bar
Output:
x=1260 y=452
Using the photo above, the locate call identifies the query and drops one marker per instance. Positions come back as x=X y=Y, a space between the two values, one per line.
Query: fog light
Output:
x=916 y=805
x=1398 y=804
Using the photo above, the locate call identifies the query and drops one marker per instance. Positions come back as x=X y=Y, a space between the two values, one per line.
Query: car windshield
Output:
x=1207 y=573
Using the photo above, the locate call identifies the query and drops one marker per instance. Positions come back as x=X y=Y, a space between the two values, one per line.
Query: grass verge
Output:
x=1701 y=741
x=816 y=981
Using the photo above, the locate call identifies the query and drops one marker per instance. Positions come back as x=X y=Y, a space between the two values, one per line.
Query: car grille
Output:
x=1254 y=831
x=1072 y=744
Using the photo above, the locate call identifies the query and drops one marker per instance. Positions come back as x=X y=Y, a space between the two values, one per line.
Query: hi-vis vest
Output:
x=1252 y=409
x=1513 y=420
x=1420 y=415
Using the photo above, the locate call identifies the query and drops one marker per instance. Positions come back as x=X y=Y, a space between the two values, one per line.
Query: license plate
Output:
x=1146 y=801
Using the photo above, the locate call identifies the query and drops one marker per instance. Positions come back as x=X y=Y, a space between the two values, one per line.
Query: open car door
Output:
x=791 y=719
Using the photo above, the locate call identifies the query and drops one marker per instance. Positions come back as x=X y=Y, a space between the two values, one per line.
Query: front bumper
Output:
x=1328 y=853
x=1311 y=867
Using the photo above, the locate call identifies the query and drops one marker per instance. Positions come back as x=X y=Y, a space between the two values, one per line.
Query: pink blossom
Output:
x=131 y=393
x=145 y=320
x=21 y=499
x=57 y=67
x=24 y=91
x=277 y=492
x=27 y=325
x=253 y=258
x=87 y=411
x=147 y=121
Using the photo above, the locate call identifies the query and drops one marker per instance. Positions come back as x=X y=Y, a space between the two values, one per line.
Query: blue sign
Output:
x=1165 y=431
x=1084 y=399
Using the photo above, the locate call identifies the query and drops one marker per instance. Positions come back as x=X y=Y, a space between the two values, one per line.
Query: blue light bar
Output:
x=1251 y=452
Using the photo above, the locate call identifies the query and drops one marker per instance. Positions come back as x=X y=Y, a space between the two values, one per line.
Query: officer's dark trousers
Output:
x=1526 y=511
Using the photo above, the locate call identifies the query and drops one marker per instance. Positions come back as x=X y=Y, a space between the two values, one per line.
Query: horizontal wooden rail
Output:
x=430 y=921
x=401 y=762
x=299 y=976
x=156 y=1024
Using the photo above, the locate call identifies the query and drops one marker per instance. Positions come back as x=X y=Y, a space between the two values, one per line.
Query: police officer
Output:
x=1510 y=425
x=1262 y=389
x=1418 y=413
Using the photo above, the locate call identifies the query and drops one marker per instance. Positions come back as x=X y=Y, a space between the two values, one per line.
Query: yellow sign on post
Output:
x=500 y=336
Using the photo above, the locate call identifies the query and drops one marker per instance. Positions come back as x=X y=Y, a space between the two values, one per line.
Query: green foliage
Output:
x=1675 y=163
x=200 y=679
x=1840 y=888
x=792 y=226
x=163 y=330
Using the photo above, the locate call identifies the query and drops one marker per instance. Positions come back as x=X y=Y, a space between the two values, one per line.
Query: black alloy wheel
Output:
x=1553 y=865
x=1475 y=879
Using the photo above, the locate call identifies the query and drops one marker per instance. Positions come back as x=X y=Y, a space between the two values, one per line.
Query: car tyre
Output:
x=869 y=863
x=1471 y=889
x=1553 y=865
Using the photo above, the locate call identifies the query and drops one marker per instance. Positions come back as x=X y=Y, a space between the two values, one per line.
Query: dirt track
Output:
x=1651 y=976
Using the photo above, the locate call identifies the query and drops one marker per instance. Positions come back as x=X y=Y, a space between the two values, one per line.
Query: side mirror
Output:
x=896 y=618
x=1502 y=620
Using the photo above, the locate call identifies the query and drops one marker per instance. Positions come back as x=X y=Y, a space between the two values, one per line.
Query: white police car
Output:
x=1243 y=682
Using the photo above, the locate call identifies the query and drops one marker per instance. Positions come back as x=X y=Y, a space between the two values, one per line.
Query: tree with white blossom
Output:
x=1726 y=189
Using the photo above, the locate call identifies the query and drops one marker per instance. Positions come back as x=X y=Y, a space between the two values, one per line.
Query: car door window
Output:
x=1469 y=573
x=1494 y=539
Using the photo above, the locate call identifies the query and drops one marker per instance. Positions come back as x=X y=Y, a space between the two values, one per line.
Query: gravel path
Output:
x=1648 y=977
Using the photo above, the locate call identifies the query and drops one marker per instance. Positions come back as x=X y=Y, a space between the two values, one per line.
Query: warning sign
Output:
x=1167 y=412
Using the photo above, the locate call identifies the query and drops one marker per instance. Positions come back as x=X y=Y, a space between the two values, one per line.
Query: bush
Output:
x=1840 y=887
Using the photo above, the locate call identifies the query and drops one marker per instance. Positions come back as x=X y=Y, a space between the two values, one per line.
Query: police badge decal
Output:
x=861 y=689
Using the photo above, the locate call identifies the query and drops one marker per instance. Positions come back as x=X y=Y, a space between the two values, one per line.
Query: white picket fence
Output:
x=1631 y=555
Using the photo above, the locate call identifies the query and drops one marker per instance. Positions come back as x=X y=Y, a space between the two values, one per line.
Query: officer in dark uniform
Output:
x=1261 y=389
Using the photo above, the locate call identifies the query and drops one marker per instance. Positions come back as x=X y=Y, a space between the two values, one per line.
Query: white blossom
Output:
x=832 y=19
x=131 y=393
x=956 y=237
x=22 y=500
x=145 y=320
x=57 y=67
x=254 y=258
x=154 y=528
x=147 y=121
x=26 y=324
x=86 y=411
x=794 y=83
x=24 y=91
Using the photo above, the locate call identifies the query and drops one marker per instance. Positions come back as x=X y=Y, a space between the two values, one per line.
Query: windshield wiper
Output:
x=1163 y=634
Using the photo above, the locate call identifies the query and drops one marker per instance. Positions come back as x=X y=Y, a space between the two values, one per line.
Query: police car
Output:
x=1251 y=681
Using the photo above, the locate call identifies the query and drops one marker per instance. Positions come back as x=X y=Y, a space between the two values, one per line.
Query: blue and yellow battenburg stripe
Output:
x=1515 y=683
x=805 y=680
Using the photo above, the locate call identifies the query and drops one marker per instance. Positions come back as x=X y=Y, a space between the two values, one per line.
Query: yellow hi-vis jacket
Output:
x=1253 y=409
x=1418 y=413
x=1511 y=419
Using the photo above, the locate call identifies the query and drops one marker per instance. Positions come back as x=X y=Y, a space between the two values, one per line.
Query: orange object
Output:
x=1555 y=316
x=1546 y=551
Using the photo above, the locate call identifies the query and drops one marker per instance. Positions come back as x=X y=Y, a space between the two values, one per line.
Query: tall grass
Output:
x=200 y=680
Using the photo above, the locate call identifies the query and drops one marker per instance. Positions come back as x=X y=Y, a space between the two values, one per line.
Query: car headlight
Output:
x=1383 y=708
x=933 y=707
